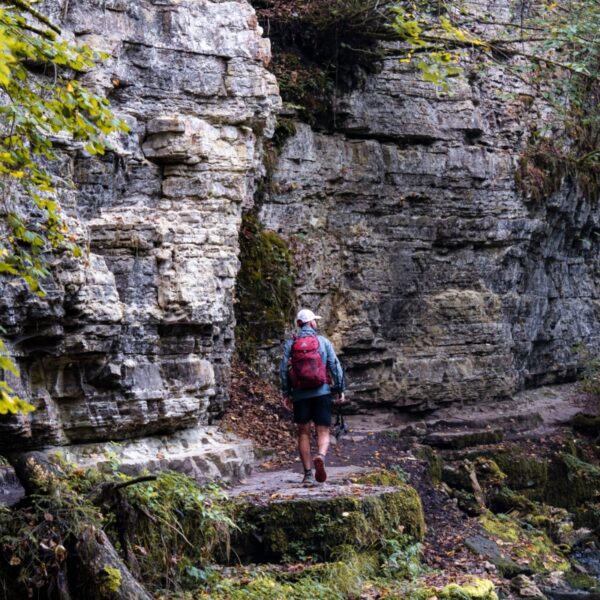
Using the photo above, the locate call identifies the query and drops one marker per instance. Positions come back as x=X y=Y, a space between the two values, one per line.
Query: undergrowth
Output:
x=35 y=540
x=178 y=525
x=392 y=572
x=162 y=526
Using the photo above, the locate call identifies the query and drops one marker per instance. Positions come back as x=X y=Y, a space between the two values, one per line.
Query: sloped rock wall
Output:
x=438 y=280
x=136 y=339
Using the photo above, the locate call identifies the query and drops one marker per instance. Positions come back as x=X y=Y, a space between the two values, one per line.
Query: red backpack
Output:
x=306 y=368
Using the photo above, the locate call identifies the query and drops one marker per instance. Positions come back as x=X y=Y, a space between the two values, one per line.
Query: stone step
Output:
x=457 y=440
x=279 y=518
x=510 y=423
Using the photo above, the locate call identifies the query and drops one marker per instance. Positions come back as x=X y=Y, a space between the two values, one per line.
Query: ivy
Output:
x=42 y=103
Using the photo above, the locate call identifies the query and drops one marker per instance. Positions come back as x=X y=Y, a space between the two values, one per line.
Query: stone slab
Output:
x=204 y=453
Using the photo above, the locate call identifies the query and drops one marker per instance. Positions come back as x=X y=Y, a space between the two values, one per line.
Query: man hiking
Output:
x=310 y=375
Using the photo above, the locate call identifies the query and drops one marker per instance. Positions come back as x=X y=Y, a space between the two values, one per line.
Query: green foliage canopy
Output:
x=42 y=104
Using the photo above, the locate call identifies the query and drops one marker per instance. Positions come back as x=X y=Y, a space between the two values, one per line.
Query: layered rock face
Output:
x=438 y=280
x=136 y=339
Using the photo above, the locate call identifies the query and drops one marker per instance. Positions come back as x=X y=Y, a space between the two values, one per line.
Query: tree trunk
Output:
x=103 y=571
x=96 y=571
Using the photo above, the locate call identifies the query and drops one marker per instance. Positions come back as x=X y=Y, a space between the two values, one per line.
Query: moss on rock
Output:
x=320 y=526
x=383 y=477
x=581 y=581
x=588 y=515
x=588 y=424
x=265 y=287
x=478 y=589
x=506 y=500
x=527 y=474
x=435 y=463
x=525 y=543
x=571 y=481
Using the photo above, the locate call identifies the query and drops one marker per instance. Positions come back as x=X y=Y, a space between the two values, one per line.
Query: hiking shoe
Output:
x=319 y=462
x=308 y=479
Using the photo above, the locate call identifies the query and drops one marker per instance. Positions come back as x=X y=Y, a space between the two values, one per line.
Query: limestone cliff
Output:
x=439 y=279
x=137 y=338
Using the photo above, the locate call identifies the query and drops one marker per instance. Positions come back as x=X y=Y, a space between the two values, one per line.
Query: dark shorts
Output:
x=317 y=410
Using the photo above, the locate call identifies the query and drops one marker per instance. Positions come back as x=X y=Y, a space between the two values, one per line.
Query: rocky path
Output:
x=371 y=445
x=391 y=441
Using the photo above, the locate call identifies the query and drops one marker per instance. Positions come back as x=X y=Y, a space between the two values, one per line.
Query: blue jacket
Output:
x=330 y=360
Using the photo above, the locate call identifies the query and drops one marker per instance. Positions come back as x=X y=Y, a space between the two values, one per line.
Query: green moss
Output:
x=488 y=472
x=382 y=477
x=501 y=527
x=588 y=424
x=505 y=501
x=351 y=575
x=174 y=523
x=286 y=128
x=571 y=481
x=318 y=527
x=467 y=502
x=111 y=579
x=524 y=473
x=580 y=581
x=588 y=515
x=264 y=288
x=478 y=589
x=458 y=475
x=524 y=542
x=264 y=586
x=435 y=463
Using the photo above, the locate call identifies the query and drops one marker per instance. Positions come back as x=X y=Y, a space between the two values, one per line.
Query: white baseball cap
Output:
x=305 y=316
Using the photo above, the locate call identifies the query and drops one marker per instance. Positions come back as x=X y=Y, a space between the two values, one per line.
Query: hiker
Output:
x=309 y=391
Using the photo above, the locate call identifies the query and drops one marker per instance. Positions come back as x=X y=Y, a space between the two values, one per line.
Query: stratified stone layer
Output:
x=136 y=338
x=438 y=280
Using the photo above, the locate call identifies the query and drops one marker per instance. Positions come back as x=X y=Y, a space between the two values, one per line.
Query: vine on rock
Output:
x=323 y=46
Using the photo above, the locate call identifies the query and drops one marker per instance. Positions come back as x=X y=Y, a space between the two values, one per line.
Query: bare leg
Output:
x=322 y=438
x=304 y=445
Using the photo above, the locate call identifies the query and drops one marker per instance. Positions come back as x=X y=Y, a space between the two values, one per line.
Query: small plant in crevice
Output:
x=265 y=288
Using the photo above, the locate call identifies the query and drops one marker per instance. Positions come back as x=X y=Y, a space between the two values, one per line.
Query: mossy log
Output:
x=93 y=563
x=102 y=571
x=358 y=515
